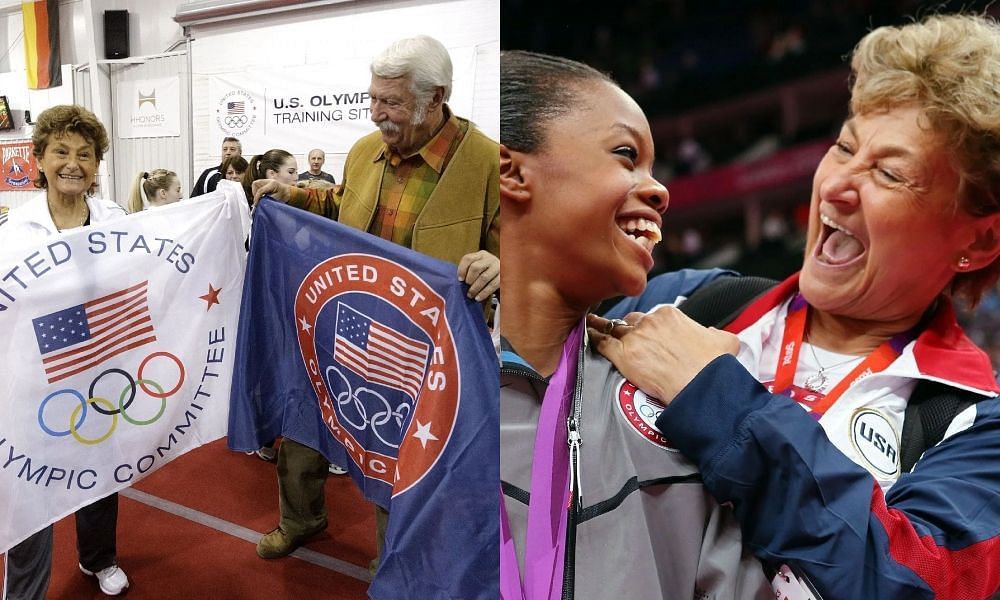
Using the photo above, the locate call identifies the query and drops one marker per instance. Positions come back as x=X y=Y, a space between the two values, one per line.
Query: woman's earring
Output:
x=964 y=263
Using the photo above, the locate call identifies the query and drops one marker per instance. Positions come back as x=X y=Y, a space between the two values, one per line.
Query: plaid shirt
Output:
x=407 y=182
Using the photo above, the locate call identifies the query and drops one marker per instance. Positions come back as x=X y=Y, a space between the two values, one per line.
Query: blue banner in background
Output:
x=372 y=354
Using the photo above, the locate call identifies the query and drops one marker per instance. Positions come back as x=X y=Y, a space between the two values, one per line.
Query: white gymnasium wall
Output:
x=148 y=153
x=152 y=30
x=350 y=31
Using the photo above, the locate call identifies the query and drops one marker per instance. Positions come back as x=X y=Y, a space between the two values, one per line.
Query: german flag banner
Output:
x=41 y=43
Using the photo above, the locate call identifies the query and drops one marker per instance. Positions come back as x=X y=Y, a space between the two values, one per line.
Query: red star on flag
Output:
x=212 y=297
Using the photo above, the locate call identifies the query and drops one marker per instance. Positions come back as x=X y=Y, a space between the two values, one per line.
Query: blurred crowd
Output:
x=675 y=55
x=682 y=59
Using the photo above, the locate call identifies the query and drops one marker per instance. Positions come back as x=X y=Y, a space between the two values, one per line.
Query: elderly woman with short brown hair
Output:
x=69 y=143
x=809 y=429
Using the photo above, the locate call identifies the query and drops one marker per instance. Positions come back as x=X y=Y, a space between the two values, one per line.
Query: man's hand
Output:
x=481 y=270
x=317 y=184
x=269 y=187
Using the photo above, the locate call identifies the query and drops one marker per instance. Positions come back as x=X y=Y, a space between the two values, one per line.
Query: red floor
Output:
x=168 y=556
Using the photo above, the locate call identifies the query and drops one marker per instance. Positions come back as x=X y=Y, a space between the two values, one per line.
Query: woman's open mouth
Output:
x=837 y=246
x=643 y=232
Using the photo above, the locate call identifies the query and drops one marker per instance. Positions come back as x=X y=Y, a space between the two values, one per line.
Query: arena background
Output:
x=743 y=99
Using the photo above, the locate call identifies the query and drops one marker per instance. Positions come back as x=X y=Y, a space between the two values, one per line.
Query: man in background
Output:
x=316 y=159
x=210 y=177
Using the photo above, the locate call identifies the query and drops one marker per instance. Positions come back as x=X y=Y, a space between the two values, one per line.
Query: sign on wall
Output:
x=149 y=108
x=19 y=168
x=319 y=106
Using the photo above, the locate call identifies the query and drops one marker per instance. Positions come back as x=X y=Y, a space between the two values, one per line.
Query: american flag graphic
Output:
x=234 y=108
x=378 y=353
x=81 y=337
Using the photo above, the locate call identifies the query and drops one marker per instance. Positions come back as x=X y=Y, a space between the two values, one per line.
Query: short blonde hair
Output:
x=949 y=65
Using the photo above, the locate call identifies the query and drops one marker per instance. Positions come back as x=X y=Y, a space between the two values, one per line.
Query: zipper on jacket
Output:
x=575 y=441
x=520 y=371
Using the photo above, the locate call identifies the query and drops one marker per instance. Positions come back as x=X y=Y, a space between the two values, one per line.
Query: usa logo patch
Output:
x=640 y=411
x=876 y=442
x=382 y=360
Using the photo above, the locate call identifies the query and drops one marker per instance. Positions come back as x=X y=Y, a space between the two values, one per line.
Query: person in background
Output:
x=210 y=177
x=806 y=431
x=69 y=143
x=156 y=188
x=275 y=164
x=316 y=159
x=426 y=180
x=280 y=166
x=234 y=167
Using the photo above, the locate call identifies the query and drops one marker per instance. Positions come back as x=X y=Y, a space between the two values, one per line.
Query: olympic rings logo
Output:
x=385 y=421
x=236 y=121
x=107 y=407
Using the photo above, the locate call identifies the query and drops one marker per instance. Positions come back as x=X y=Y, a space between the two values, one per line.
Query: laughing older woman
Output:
x=905 y=214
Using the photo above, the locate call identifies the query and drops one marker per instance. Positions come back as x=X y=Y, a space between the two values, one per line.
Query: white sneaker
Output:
x=112 y=580
x=337 y=470
x=266 y=453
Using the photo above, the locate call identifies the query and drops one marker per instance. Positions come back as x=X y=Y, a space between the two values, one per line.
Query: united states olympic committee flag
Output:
x=116 y=353
x=372 y=354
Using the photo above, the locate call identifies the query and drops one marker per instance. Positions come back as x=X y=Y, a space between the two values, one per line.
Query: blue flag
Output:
x=372 y=354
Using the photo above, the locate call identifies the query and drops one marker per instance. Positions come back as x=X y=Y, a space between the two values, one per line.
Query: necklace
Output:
x=792 y=340
x=86 y=215
x=818 y=381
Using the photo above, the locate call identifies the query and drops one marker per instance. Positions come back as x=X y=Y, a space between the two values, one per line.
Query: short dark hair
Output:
x=535 y=89
x=238 y=163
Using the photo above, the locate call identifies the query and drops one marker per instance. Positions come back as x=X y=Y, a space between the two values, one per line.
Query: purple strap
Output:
x=548 y=509
x=510 y=578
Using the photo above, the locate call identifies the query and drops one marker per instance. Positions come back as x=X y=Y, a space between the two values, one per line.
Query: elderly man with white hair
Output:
x=427 y=180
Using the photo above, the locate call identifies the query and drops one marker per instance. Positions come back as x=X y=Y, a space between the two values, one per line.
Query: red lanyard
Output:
x=791 y=343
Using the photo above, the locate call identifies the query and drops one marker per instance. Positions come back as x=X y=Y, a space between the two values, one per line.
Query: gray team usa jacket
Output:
x=646 y=528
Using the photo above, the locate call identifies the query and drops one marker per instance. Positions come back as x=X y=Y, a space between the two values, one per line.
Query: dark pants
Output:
x=381 y=522
x=302 y=474
x=29 y=564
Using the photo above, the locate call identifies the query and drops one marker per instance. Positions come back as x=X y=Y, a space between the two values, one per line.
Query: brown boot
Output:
x=277 y=543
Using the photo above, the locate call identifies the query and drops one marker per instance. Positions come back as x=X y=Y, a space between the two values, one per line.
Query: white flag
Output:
x=116 y=353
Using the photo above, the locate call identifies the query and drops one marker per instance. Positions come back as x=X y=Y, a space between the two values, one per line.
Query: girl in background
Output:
x=154 y=188
x=281 y=166
x=275 y=164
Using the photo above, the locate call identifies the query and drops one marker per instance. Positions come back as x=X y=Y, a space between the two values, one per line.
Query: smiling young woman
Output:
x=581 y=214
